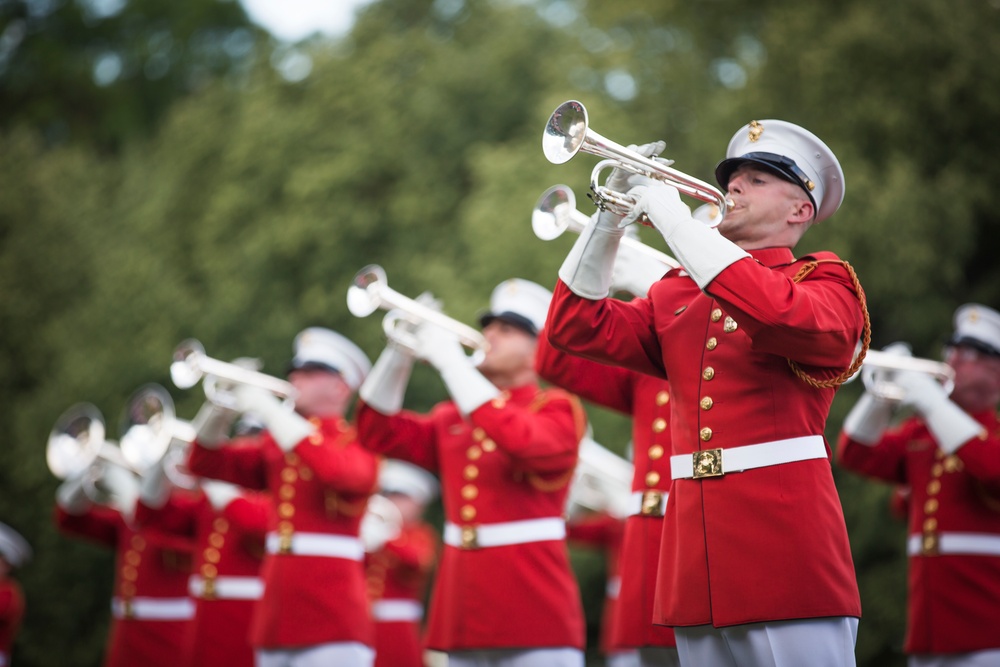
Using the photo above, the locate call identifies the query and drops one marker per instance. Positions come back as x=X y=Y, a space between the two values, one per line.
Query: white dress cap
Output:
x=521 y=303
x=793 y=152
x=14 y=548
x=316 y=347
x=979 y=327
x=397 y=476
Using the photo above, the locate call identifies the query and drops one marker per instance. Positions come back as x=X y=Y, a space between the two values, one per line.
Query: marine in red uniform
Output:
x=227 y=524
x=314 y=609
x=755 y=565
x=647 y=400
x=151 y=611
x=399 y=565
x=14 y=553
x=504 y=450
x=948 y=455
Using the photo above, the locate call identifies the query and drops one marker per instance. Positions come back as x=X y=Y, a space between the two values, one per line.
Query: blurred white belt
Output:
x=316 y=544
x=504 y=534
x=970 y=544
x=651 y=502
x=226 y=588
x=397 y=610
x=613 y=588
x=153 y=609
x=718 y=462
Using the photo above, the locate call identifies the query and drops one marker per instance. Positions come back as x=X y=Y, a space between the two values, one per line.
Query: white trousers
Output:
x=338 y=654
x=817 y=642
x=990 y=658
x=658 y=656
x=538 y=657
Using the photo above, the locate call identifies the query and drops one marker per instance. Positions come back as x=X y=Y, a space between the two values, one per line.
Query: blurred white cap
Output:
x=317 y=347
x=519 y=302
x=978 y=327
x=397 y=476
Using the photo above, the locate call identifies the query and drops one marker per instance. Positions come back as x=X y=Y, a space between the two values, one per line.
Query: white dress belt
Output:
x=505 y=534
x=717 y=462
x=389 y=610
x=970 y=544
x=227 y=587
x=636 y=500
x=317 y=544
x=153 y=609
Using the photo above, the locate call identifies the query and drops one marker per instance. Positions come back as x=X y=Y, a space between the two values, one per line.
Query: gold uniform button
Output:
x=659 y=425
x=937 y=469
x=128 y=589
x=708 y=373
x=934 y=487
x=315 y=438
x=291 y=458
x=133 y=558
x=286 y=492
x=489 y=445
x=474 y=453
x=716 y=314
x=469 y=492
x=209 y=570
x=706 y=403
x=656 y=452
x=952 y=464
x=221 y=525
x=931 y=506
x=705 y=434
x=138 y=542
x=306 y=474
x=289 y=475
x=930 y=524
x=216 y=540
x=498 y=403
x=285 y=527
x=711 y=343
x=478 y=434
x=652 y=478
x=212 y=555
x=129 y=573
x=470 y=472
x=729 y=326
x=286 y=510
x=662 y=397
x=468 y=513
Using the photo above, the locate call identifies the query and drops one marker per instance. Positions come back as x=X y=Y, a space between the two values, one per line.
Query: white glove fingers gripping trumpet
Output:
x=609 y=196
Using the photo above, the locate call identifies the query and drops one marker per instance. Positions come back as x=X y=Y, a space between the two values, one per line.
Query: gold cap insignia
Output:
x=756 y=129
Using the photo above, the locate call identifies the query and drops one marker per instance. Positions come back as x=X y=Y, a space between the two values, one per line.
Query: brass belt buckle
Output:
x=285 y=544
x=707 y=463
x=470 y=537
x=929 y=544
x=652 y=503
x=209 y=592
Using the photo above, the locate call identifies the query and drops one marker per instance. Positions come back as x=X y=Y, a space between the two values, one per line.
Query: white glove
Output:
x=467 y=386
x=155 y=486
x=287 y=427
x=385 y=386
x=703 y=252
x=951 y=426
x=635 y=272
x=220 y=494
x=123 y=486
x=618 y=180
x=870 y=416
x=212 y=425
x=376 y=531
x=71 y=495
x=588 y=268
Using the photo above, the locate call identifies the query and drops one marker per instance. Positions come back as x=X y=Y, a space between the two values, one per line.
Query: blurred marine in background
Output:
x=14 y=553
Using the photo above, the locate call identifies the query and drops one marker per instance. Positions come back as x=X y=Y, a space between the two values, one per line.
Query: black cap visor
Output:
x=513 y=319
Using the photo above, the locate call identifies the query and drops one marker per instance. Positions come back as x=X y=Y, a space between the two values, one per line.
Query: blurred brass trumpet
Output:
x=567 y=133
x=151 y=434
x=877 y=368
x=370 y=291
x=191 y=364
x=556 y=212
x=602 y=481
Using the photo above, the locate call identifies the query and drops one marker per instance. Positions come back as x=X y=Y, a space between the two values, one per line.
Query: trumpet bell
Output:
x=565 y=132
x=145 y=431
x=183 y=371
x=75 y=441
x=553 y=212
x=362 y=300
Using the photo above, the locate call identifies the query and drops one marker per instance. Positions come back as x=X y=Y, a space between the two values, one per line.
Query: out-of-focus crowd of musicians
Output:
x=270 y=530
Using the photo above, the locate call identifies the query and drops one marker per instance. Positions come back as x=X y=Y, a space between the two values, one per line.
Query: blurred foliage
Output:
x=232 y=202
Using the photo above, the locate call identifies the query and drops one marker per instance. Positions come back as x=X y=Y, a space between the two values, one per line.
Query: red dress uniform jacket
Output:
x=149 y=566
x=605 y=532
x=397 y=577
x=320 y=487
x=769 y=543
x=954 y=604
x=647 y=400
x=511 y=460
x=229 y=549
x=11 y=613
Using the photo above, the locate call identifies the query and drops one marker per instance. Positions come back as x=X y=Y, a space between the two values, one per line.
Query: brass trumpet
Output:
x=151 y=434
x=556 y=212
x=567 y=133
x=370 y=291
x=876 y=373
x=190 y=364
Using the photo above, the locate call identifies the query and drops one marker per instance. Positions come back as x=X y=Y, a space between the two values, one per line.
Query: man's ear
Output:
x=802 y=211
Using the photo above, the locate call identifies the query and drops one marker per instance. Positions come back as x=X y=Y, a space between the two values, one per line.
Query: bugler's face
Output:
x=317 y=390
x=764 y=203
x=511 y=349
x=977 y=378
